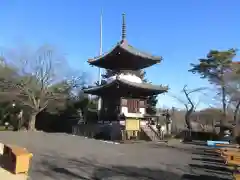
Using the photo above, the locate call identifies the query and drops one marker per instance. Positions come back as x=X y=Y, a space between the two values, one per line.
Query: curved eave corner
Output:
x=129 y=49
x=136 y=52
x=161 y=89
x=164 y=89
x=97 y=58
x=89 y=90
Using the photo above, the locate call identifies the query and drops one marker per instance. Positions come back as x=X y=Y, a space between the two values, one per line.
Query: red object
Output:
x=236 y=62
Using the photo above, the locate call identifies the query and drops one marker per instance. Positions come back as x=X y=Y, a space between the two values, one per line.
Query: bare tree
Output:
x=43 y=79
x=188 y=103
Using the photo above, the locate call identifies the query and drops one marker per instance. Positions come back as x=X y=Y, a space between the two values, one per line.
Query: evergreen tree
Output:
x=151 y=105
x=213 y=68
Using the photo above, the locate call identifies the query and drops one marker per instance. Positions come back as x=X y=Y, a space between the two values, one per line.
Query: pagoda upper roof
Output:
x=124 y=88
x=123 y=56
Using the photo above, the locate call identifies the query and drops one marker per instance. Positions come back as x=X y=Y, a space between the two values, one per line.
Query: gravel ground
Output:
x=61 y=157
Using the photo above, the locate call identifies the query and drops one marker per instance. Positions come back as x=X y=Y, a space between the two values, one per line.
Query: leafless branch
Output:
x=189 y=104
x=37 y=73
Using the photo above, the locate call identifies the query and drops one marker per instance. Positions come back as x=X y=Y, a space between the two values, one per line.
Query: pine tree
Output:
x=151 y=105
x=213 y=68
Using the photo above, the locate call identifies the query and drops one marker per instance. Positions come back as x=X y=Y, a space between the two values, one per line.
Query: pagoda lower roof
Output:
x=124 y=88
x=125 y=57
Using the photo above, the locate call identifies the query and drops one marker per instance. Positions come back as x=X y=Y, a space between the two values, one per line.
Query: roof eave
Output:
x=158 y=89
x=95 y=59
x=98 y=87
x=125 y=46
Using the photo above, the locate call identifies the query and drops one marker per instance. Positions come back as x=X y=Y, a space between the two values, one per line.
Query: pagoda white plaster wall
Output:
x=124 y=110
x=142 y=110
x=128 y=77
x=135 y=115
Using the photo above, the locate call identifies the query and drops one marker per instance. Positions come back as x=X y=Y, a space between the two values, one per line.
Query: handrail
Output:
x=153 y=130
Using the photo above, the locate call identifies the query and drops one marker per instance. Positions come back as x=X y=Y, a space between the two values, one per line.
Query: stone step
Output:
x=149 y=132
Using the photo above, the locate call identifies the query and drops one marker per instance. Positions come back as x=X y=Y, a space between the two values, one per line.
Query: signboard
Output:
x=132 y=124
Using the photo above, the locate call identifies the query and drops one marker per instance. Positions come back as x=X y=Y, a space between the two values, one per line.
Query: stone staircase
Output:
x=151 y=132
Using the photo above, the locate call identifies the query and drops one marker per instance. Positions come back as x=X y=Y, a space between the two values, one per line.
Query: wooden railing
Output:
x=156 y=134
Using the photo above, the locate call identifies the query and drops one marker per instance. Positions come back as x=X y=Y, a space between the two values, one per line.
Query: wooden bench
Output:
x=220 y=148
x=227 y=145
x=225 y=151
x=232 y=162
x=16 y=159
x=236 y=176
x=231 y=154
x=232 y=158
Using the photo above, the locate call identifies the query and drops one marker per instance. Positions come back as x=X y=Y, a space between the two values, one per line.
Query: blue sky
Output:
x=180 y=31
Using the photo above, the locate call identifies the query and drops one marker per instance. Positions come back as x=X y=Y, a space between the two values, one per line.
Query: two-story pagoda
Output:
x=125 y=92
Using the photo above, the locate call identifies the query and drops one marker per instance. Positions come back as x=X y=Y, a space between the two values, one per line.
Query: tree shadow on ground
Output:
x=211 y=167
x=128 y=172
x=91 y=170
x=205 y=153
x=210 y=163
x=61 y=168
x=204 y=148
x=63 y=171
x=197 y=143
x=210 y=160
x=164 y=145
x=201 y=177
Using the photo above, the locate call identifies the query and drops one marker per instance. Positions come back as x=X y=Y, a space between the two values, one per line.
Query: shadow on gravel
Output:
x=204 y=151
x=210 y=163
x=210 y=167
x=91 y=170
x=197 y=143
x=135 y=173
x=64 y=171
x=208 y=154
x=207 y=149
x=210 y=160
x=178 y=148
x=201 y=177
